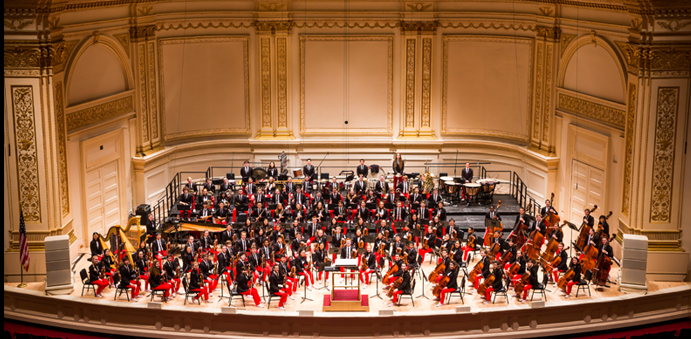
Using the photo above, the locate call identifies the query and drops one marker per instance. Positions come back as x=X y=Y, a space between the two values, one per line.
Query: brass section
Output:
x=100 y=113
x=62 y=150
x=410 y=83
x=628 y=152
x=26 y=152
x=588 y=109
x=663 y=156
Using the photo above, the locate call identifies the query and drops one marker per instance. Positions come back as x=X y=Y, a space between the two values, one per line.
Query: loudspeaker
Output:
x=143 y=210
x=58 y=274
x=230 y=176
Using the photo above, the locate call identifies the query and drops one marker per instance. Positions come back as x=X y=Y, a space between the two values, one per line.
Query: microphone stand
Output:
x=455 y=164
x=320 y=169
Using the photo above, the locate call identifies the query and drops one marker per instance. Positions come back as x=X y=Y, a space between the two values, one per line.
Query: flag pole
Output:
x=21 y=271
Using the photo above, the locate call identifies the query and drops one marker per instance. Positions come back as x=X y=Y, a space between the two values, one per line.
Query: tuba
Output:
x=428 y=184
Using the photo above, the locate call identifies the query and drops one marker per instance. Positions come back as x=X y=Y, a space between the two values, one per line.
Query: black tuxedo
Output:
x=272 y=172
x=362 y=169
x=467 y=174
x=403 y=186
x=246 y=173
x=360 y=186
x=308 y=171
x=399 y=214
x=381 y=187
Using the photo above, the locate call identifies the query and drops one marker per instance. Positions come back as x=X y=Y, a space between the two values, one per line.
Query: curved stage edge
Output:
x=555 y=318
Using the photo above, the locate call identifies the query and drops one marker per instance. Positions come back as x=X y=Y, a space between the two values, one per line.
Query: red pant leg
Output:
x=201 y=292
x=488 y=293
x=146 y=280
x=569 y=285
x=135 y=290
x=443 y=292
x=525 y=290
x=102 y=284
x=395 y=295
x=254 y=294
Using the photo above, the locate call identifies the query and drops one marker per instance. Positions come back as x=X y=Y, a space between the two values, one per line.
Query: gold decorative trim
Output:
x=658 y=240
x=565 y=41
x=663 y=156
x=273 y=26
x=670 y=59
x=350 y=24
x=628 y=153
x=537 y=113
x=445 y=64
x=548 y=32
x=674 y=25
x=205 y=39
x=410 y=83
x=588 y=109
x=99 y=113
x=282 y=81
x=61 y=54
x=143 y=104
x=496 y=25
x=192 y=24
x=140 y=32
x=124 y=40
x=426 y=83
x=419 y=26
x=26 y=152
x=19 y=24
x=153 y=105
x=62 y=150
x=265 y=57
x=16 y=57
x=419 y=6
x=548 y=112
x=362 y=131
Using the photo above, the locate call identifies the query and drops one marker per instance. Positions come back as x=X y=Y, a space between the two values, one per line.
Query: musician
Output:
x=411 y=256
x=276 y=287
x=352 y=198
x=492 y=215
x=540 y=225
x=587 y=218
x=591 y=238
x=370 y=259
x=398 y=164
x=546 y=210
x=340 y=213
x=383 y=228
x=209 y=186
x=435 y=198
x=362 y=169
x=457 y=252
x=206 y=213
x=333 y=184
x=557 y=233
x=576 y=267
x=223 y=197
x=197 y=284
x=335 y=197
x=95 y=278
x=187 y=259
x=484 y=258
x=532 y=280
x=242 y=245
x=290 y=186
x=106 y=264
x=225 y=186
x=260 y=213
x=497 y=284
x=157 y=280
x=416 y=197
x=397 y=246
x=297 y=244
x=472 y=238
x=277 y=198
x=363 y=212
x=604 y=224
x=521 y=218
x=280 y=214
x=246 y=171
x=391 y=197
x=360 y=185
x=158 y=247
x=452 y=231
x=562 y=267
x=370 y=198
x=96 y=247
x=429 y=240
x=319 y=213
x=190 y=185
x=227 y=235
x=307 y=187
x=129 y=278
x=244 y=288
x=320 y=258
x=170 y=266
x=452 y=285
x=309 y=171
x=405 y=285
x=186 y=199
x=440 y=212
x=348 y=252
x=299 y=198
x=300 y=214
x=437 y=226
x=224 y=262
x=521 y=260
x=606 y=248
x=406 y=234
x=279 y=247
x=272 y=171
x=467 y=173
x=207 y=242
x=381 y=186
x=382 y=213
x=207 y=267
x=143 y=268
x=318 y=198
x=512 y=248
x=502 y=244
x=404 y=186
x=300 y=264
x=399 y=213
x=290 y=282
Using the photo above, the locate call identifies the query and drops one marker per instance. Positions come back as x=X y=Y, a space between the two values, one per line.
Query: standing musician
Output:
x=548 y=207
x=606 y=249
x=562 y=267
x=557 y=234
x=246 y=171
x=170 y=266
x=522 y=218
x=96 y=247
x=362 y=169
x=532 y=280
x=244 y=288
x=398 y=164
x=308 y=171
x=129 y=279
x=576 y=267
x=186 y=199
x=277 y=288
x=381 y=187
x=197 y=283
x=467 y=173
x=452 y=285
x=605 y=226
x=190 y=185
x=319 y=257
x=405 y=285
x=207 y=267
x=497 y=284
x=272 y=171
x=371 y=260
x=348 y=251
x=588 y=219
x=95 y=277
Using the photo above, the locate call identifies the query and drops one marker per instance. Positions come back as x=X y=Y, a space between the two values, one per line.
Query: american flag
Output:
x=23 y=244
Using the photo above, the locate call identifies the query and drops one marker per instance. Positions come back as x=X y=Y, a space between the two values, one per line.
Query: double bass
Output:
x=533 y=244
x=599 y=234
x=518 y=233
x=602 y=267
x=396 y=284
x=552 y=247
x=584 y=231
x=489 y=230
x=551 y=219
x=589 y=258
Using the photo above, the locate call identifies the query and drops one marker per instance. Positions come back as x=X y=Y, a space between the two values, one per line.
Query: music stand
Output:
x=377 y=273
x=424 y=277
x=304 y=291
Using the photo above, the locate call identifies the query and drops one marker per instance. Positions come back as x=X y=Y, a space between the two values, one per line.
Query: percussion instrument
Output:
x=258 y=173
x=472 y=189
x=297 y=172
x=452 y=187
x=443 y=181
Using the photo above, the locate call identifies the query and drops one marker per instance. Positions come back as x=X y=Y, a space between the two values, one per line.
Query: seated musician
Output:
x=272 y=171
x=440 y=211
x=381 y=187
x=309 y=171
x=588 y=219
x=411 y=256
x=352 y=198
x=447 y=243
x=404 y=186
x=371 y=259
x=150 y=225
x=207 y=242
x=279 y=246
x=340 y=213
x=370 y=197
x=225 y=186
x=226 y=235
x=472 y=238
x=484 y=258
x=318 y=198
x=391 y=197
x=170 y=266
x=297 y=244
x=96 y=247
x=221 y=215
x=382 y=213
x=319 y=212
x=457 y=251
x=405 y=285
x=277 y=198
x=223 y=197
x=397 y=246
x=191 y=185
x=532 y=280
x=299 y=198
x=416 y=198
x=452 y=285
x=197 y=284
x=224 y=259
x=107 y=264
x=187 y=259
x=244 y=286
x=157 y=280
x=335 y=197
x=300 y=264
x=512 y=248
x=265 y=254
x=290 y=186
x=260 y=213
x=307 y=187
x=243 y=244
x=291 y=283
x=209 y=186
x=557 y=233
x=380 y=246
x=260 y=197
x=276 y=287
x=605 y=226
x=363 y=212
x=521 y=260
x=159 y=247
x=577 y=270
x=497 y=284
x=423 y=212
x=562 y=267
x=383 y=228
x=406 y=233
x=240 y=199
x=337 y=238
x=319 y=257
x=300 y=214
x=333 y=185
x=143 y=267
x=358 y=238
x=502 y=244
x=437 y=226
x=205 y=214
x=428 y=241
x=129 y=278
x=435 y=198
x=270 y=187
x=186 y=199
x=396 y=260
x=207 y=267
x=280 y=214
x=255 y=264
x=399 y=214
x=94 y=277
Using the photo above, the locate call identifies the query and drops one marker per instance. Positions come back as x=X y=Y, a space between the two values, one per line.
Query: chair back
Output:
x=116 y=278
x=462 y=287
x=588 y=275
x=184 y=283
x=83 y=275
x=545 y=279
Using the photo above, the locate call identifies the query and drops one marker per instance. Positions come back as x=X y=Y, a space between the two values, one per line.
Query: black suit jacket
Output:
x=467 y=174
x=246 y=172
x=362 y=169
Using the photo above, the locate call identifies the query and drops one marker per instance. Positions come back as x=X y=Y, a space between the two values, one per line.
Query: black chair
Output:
x=584 y=284
x=271 y=295
x=230 y=176
x=408 y=293
x=119 y=289
x=189 y=294
x=233 y=293
x=324 y=175
x=86 y=283
x=502 y=291
x=443 y=174
x=541 y=288
x=155 y=292
x=459 y=291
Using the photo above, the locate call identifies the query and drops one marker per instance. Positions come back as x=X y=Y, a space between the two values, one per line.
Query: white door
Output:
x=102 y=198
x=587 y=190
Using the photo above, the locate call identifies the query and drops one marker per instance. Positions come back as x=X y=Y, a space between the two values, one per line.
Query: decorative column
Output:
x=546 y=58
x=143 y=39
x=658 y=60
x=273 y=40
x=417 y=40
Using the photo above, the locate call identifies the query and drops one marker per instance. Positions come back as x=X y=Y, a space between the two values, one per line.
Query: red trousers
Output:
x=135 y=290
x=176 y=284
x=569 y=285
x=202 y=292
x=284 y=296
x=145 y=277
x=291 y=285
x=395 y=295
x=555 y=274
x=309 y=278
x=325 y=275
x=255 y=295
x=442 y=294
x=488 y=293
x=164 y=287
x=212 y=281
x=466 y=250
x=477 y=281
x=102 y=284
x=366 y=273
x=525 y=290
x=424 y=252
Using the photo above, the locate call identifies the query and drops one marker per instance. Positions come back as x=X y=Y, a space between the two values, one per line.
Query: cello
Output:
x=490 y=229
x=602 y=267
x=520 y=284
x=533 y=244
x=584 y=231
x=387 y=277
x=550 y=265
x=485 y=284
x=552 y=247
x=440 y=286
x=476 y=270
x=589 y=258
x=568 y=275
x=518 y=233
x=434 y=275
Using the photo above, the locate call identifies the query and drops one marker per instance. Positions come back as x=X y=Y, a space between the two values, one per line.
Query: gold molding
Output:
x=143 y=103
x=205 y=39
x=674 y=25
x=16 y=57
x=446 y=39
x=548 y=112
x=410 y=83
x=282 y=80
x=99 y=113
x=565 y=41
x=61 y=54
x=153 y=105
x=628 y=152
x=663 y=156
x=26 y=152
x=353 y=131
x=10 y=23
x=124 y=40
x=419 y=26
x=142 y=32
x=548 y=32
x=265 y=69
x=62 y=149
x=350 y=24
x=273 y=26
x=495 y=24
x=198 y=23
x=426 y=112
x=537 y=113
x=588 y=109
x=658 y=240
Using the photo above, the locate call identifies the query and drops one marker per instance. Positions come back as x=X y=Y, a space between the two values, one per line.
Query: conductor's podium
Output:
x=345 y=297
